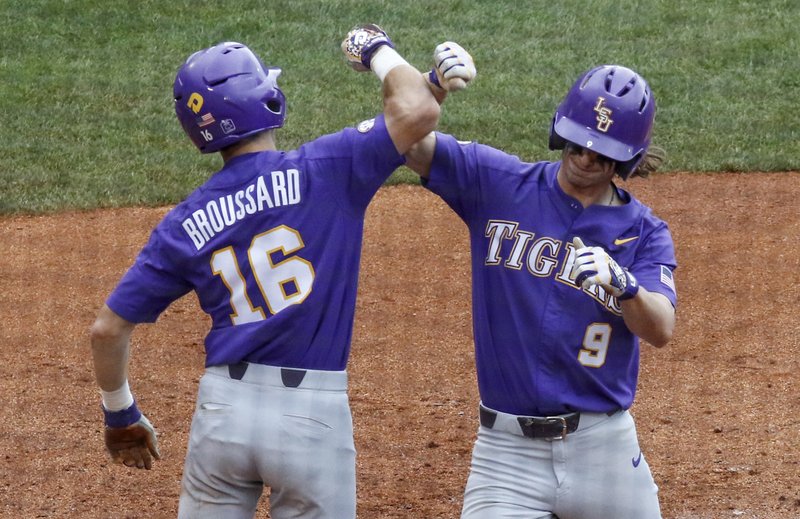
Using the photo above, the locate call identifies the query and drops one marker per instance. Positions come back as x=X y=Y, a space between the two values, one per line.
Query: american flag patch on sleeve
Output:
x=666 y=277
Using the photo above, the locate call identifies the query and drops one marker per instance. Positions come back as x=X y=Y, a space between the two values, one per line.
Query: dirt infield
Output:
x=717 y=410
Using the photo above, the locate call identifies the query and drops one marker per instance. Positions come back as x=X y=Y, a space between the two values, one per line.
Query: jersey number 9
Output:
x=595 y=345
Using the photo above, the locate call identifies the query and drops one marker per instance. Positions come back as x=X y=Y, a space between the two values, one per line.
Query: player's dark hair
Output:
x=653 y=158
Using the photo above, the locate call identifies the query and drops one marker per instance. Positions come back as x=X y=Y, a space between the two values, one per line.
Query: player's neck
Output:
x=604 y=194
x=260 y=142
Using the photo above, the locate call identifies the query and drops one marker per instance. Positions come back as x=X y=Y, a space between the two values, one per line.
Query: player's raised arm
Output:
x=453 y=68
x=410 y=109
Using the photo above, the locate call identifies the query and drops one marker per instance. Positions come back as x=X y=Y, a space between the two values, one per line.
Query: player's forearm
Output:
x=420 y=156
x=110 y=338
x=650 y=316
x=439 y=93
x=411 y=110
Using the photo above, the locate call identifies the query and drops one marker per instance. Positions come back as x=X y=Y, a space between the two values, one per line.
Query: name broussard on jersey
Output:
x=280 y=189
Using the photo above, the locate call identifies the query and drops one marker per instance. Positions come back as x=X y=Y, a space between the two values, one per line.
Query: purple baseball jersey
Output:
x=271 y=245
x=543 y=345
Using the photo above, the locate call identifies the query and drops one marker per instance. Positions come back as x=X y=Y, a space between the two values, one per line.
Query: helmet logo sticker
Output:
x=195 y=102
x=205 y=120
x=227 y=126
x=604 y=120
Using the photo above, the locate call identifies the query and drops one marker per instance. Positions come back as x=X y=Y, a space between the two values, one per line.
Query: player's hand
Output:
x=361 y=43
x=453 y=67
x=593 y=266
x=135 y=445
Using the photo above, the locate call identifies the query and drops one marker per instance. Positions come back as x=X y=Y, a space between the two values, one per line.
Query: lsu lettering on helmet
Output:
x=609 y=110
x=224 y=94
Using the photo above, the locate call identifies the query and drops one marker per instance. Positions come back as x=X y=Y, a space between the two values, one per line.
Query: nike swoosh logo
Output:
x=623 y=241
x=637 y=460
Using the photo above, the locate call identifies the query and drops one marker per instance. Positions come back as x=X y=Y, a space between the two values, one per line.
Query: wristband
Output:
x=384 y=60
x=124 y=418
x=631 y=287
x=118 y=399
x=434 y=78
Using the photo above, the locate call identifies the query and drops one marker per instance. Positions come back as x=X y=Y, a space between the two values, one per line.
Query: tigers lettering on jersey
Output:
x=542 y=258
x=280 y=189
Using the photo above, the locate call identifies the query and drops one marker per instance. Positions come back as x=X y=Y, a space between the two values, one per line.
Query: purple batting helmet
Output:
x=609 y=110
x=224 y=94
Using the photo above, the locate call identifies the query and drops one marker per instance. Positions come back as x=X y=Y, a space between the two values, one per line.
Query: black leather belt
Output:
x=548 y=427
x=289 y=376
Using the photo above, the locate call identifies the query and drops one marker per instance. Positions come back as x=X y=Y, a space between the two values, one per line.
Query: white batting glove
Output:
x=453 y=67
x=593 y=266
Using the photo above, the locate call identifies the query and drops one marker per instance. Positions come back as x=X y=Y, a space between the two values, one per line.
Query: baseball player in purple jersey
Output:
x=569 y=273
x=271 y=245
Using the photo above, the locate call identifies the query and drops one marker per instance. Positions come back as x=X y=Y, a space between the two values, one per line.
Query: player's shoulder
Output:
x=366 y=133
x=169 y=226
x=196 y=200
x=643 y=212
x=492 y=159
x=651 y=229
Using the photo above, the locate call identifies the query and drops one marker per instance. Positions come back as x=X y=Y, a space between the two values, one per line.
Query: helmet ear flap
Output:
x=624 y=169
x=555 y=142
x=275 y=100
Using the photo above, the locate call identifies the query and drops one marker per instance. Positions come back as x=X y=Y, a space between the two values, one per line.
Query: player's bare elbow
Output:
x=108 y=328
x=422 y=118
x=661 y=335
x=433 y=112
x=661 y=339
x=410 y=127
x=656 y=324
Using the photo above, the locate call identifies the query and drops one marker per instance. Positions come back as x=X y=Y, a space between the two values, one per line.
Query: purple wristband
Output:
x=124 y=418
x=631 y=287
x=433 y=78
x=372 y=48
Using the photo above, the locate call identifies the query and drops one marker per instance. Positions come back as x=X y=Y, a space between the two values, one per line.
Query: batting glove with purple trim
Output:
x=361 y=43
x=453 y=67
x=593 y=266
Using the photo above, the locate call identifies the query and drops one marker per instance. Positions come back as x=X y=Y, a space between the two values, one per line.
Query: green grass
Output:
x=85 y=85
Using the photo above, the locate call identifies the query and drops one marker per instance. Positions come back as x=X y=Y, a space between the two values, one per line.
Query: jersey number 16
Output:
x=282 y=284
